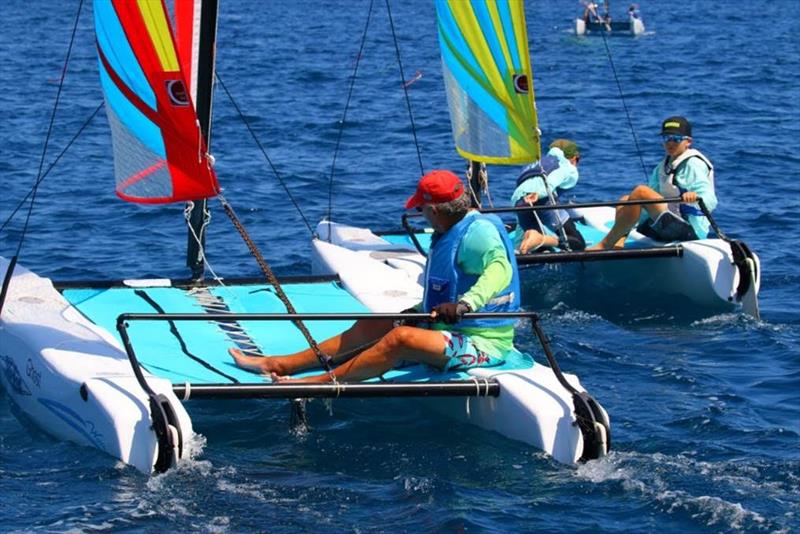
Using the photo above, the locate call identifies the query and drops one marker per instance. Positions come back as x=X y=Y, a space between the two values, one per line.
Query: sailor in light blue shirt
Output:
x=564 y=177
x=559 y=167
x=684 y=172
x=674 y=176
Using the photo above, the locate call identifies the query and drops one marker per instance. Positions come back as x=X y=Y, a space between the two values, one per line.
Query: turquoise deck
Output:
x=160 y=351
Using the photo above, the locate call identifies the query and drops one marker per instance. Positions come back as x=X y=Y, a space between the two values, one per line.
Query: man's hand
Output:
x=689 y=196
x=450 y=312
x=531 y=198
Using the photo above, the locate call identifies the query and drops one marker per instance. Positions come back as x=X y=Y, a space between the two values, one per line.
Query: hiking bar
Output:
x=234 y=317
x=455 y=388
x=583 y=205
x=674 y=251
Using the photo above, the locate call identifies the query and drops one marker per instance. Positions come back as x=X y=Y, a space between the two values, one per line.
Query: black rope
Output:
x=264 y=153
x=12 y=263
x=624 y=104
x=323 y=358
x=344 y=115
x=52 y=165
x=405 y=89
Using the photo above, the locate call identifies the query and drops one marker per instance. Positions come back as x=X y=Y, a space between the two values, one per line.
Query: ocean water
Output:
x=705 y=409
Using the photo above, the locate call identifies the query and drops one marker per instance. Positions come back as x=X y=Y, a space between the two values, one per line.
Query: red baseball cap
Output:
x=436 y=187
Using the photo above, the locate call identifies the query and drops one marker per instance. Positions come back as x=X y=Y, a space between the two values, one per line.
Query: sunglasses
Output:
x=674 y=138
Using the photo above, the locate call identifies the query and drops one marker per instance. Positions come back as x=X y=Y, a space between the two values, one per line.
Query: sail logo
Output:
x=177 y=93
x=521 y=83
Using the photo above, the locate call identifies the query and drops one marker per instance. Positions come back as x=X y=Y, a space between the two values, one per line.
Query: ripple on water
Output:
x=745 y=492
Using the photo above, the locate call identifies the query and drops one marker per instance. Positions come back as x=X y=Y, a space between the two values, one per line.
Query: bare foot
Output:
x=601 y=246
x=278 y=378
x=258 y=364
x=315 y=379
x=531 y=242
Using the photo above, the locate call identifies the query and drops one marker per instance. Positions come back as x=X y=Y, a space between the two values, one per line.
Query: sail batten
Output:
x=159 y=154
x=488 y=80
x=187 y=34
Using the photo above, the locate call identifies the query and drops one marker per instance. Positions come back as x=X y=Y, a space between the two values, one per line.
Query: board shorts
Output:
x=668 y=227
x=463 y=354
x=552 y=219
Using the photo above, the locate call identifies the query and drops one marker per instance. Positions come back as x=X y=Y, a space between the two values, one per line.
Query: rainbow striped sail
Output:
x=488 y=79
x=159 y=153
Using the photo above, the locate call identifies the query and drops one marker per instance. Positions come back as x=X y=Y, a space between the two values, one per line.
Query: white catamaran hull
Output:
x=634 y=26
x=73 y=379
x=532 y=407
x=705 y=273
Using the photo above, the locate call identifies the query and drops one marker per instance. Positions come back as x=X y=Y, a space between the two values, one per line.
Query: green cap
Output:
x=569 y=148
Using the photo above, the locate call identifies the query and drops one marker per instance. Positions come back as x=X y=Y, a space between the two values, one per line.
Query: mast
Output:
x=475 y=181
x=203 y=101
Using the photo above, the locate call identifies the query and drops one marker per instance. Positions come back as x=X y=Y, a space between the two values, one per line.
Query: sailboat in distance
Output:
x=113 y=364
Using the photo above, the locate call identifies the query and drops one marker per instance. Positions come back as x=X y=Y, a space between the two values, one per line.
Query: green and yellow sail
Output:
x=488 y=79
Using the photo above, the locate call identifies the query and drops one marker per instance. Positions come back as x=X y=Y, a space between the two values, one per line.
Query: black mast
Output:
x=205 y=91
x=475 y=182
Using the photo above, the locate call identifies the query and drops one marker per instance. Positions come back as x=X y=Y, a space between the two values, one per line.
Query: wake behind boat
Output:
x=107 y=364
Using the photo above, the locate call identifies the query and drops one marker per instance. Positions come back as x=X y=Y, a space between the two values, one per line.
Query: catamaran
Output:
x=593 y=22
x=490 y=93
x=112 y=364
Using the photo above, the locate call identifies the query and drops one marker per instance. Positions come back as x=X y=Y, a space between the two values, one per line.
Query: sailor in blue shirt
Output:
x=470 y=267
x=684 y=172
x=559 y=167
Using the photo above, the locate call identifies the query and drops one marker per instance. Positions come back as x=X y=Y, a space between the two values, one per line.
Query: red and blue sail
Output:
x=160 y=155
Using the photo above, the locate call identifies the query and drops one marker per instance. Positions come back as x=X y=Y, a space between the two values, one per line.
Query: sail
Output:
x=488 y=78
x=187 y=35
x=159 y=153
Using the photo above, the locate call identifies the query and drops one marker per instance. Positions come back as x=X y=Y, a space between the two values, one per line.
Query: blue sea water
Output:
x=705 y=410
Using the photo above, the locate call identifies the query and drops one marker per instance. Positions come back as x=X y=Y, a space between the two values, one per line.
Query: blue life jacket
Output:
x=542 y=168
x=445 y=281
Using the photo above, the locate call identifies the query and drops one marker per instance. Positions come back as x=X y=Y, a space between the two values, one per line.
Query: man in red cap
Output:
x=470 y=267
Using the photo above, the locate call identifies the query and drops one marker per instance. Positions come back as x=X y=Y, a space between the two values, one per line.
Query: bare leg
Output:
x=401 y=343
x=533 y=240
x=361 y=333
x=627 y=217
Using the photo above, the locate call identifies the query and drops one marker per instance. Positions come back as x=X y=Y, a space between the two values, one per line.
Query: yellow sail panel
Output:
x=488 y=79
x=155 y=21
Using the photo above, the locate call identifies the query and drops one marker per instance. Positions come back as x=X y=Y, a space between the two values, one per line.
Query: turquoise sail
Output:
x=488 y=79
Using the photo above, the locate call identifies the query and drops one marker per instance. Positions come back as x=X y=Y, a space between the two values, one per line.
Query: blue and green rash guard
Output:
x=474 y=262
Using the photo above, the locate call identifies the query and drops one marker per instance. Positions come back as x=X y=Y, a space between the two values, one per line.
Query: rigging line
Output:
x=324 y=359
x=624 y=104
x=344 y=117
x=187 y=211
x=52 y=165
x=264 y=153
x=12 y=263
x=201 y=250
x=405 y=89
x=50 y=127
